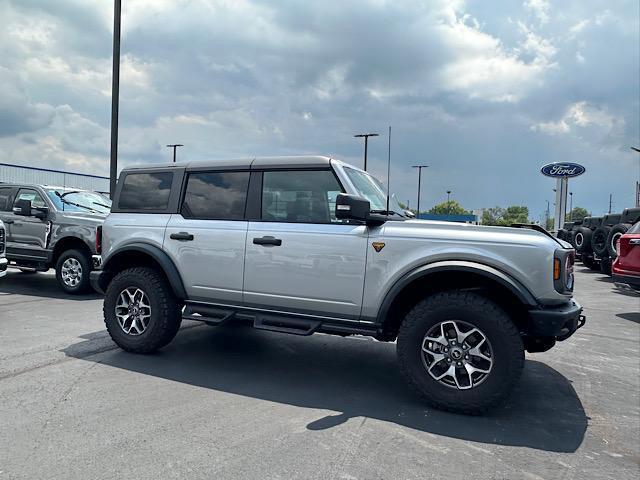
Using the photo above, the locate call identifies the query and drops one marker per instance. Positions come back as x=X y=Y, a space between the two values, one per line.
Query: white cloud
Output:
x=540 y=8
x=581 y=115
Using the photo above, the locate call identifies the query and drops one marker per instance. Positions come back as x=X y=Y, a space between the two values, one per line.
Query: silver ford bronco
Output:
x=311 y=244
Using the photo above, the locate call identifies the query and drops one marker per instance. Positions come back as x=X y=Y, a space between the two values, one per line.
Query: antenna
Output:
x=388 y=170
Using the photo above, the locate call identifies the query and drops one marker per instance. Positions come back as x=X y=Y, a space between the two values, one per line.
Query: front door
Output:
x=299 y=257
x=28 y=235
x=206 y=239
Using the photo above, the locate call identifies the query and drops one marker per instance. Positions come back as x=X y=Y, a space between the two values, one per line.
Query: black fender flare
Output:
x=160 y=257
x=492 y=273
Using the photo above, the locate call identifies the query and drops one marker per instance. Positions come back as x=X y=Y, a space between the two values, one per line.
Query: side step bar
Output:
x=285 y=324
x=209 y=315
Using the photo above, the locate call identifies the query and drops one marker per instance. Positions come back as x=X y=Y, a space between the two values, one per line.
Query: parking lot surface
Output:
x=234 y=402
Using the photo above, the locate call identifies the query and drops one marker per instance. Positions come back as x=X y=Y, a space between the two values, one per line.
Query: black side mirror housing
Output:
x=40 y=212
x=351 y=207
x=23 y=208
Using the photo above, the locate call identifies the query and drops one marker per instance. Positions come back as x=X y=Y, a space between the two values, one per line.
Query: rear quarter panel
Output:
x=121 y=229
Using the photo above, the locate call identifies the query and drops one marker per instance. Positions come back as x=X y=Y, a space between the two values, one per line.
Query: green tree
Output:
x=492 y=216
x=578 y=213
x=450 y=207
x=516 y=214
x=505 y=216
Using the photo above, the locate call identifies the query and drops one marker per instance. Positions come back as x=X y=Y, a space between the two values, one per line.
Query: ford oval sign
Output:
x=562 y=169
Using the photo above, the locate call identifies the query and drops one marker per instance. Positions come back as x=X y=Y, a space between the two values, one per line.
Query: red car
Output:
x=626 y=267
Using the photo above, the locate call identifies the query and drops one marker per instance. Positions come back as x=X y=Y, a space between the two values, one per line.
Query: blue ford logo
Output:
x=562 y=169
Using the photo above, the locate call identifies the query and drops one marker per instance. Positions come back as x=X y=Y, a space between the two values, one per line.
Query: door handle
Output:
x=633 y=241
x=268 y=241
x=182 y=236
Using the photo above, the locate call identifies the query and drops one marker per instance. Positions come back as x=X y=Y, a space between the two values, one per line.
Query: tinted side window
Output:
x=300 y=196
x=5 y=197
x=146 y=191
x=216 y=195
x=34 y=197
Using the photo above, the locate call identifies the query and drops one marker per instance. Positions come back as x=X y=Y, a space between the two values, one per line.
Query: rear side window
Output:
x=146 y=191
x=216 y=195
x=5 y=198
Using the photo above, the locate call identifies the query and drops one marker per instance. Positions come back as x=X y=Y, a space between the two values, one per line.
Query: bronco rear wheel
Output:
x=460 y=351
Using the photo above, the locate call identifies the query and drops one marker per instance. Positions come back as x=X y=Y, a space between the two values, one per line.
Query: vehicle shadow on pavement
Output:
x=38 y=285
x=631 y=316
x=355 y=377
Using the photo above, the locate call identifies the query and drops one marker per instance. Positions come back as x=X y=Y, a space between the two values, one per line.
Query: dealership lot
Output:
x=240 y=403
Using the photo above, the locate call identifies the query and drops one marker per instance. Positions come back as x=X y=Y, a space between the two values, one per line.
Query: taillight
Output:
x=99 y=240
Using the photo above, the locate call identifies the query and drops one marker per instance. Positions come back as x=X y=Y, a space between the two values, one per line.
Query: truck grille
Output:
x=2 y=240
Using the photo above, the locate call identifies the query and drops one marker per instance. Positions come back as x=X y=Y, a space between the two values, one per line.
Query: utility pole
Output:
x=638 y=182
x=115 y=97
x=610 y=197
x=175 y=146
x=546 y=225
x=366 y=143
x=571 y=206
x=419 y=167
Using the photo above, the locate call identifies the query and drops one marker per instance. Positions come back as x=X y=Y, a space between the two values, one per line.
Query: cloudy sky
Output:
x=484 y=92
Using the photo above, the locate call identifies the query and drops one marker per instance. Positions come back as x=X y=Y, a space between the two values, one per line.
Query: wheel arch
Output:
x=441 y=276
x=69 y=243
x=142 y=254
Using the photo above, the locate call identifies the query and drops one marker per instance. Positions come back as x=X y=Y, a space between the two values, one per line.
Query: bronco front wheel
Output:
x=460 y=351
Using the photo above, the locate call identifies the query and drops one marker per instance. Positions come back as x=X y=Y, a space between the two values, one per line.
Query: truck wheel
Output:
x=140 y=310
x=599 y=241
x=590 y=262
x=614 y=236
x=72 y=272
x=605 y=266
x=460 y=351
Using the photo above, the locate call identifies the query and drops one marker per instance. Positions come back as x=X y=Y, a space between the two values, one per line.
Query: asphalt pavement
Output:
x=237 y=403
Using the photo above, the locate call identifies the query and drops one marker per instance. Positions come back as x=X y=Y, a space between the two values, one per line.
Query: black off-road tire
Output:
x=166 y=310
x=84 y=284
x=599 y=241
x=605 y=266
x=582 y=240
x=474 y=309
x=614 y=236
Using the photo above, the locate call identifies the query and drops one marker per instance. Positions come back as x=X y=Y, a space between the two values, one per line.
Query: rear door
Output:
x=6 y=205
x=299 y=257
x=206 y=239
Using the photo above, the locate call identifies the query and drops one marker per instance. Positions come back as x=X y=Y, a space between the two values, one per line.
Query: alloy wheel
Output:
x=133 y=311
x=457 y=355
x=71 y=272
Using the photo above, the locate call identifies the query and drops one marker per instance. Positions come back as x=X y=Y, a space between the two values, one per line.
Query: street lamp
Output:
x=115 y=97
x=571 y=206
x=448 y=204
x=419 y=167
x=366 y=143
x=175 y=146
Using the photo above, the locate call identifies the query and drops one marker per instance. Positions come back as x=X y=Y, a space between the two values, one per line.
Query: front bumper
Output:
x=558 y=322
x=3 y=266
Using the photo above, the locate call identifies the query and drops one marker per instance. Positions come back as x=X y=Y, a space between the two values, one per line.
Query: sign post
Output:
x=561 y=171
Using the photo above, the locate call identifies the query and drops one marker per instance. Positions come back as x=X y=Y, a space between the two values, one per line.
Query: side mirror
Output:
x=351 y=207
x=40 y=212
x=23 y=208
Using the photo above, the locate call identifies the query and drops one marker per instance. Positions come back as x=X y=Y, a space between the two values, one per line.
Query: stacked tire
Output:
x=564 y=231
x=571 y=232
x=582 y=241
x=627 y=219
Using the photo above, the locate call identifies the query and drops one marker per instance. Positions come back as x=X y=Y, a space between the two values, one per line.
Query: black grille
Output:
x=2 y=240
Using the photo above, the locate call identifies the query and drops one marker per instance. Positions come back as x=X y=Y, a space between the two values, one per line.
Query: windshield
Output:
x=372 y=189
x=79 y=201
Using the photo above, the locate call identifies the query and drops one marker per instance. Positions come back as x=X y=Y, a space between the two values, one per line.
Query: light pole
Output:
x=419 y=167
x=638 y=182
x=366 y=143
x=571 y=206
x=175 y=146
x=115 y=97
x=448 y=204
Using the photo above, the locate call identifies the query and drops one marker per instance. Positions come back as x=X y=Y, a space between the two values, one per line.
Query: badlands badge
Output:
x=377 y=246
